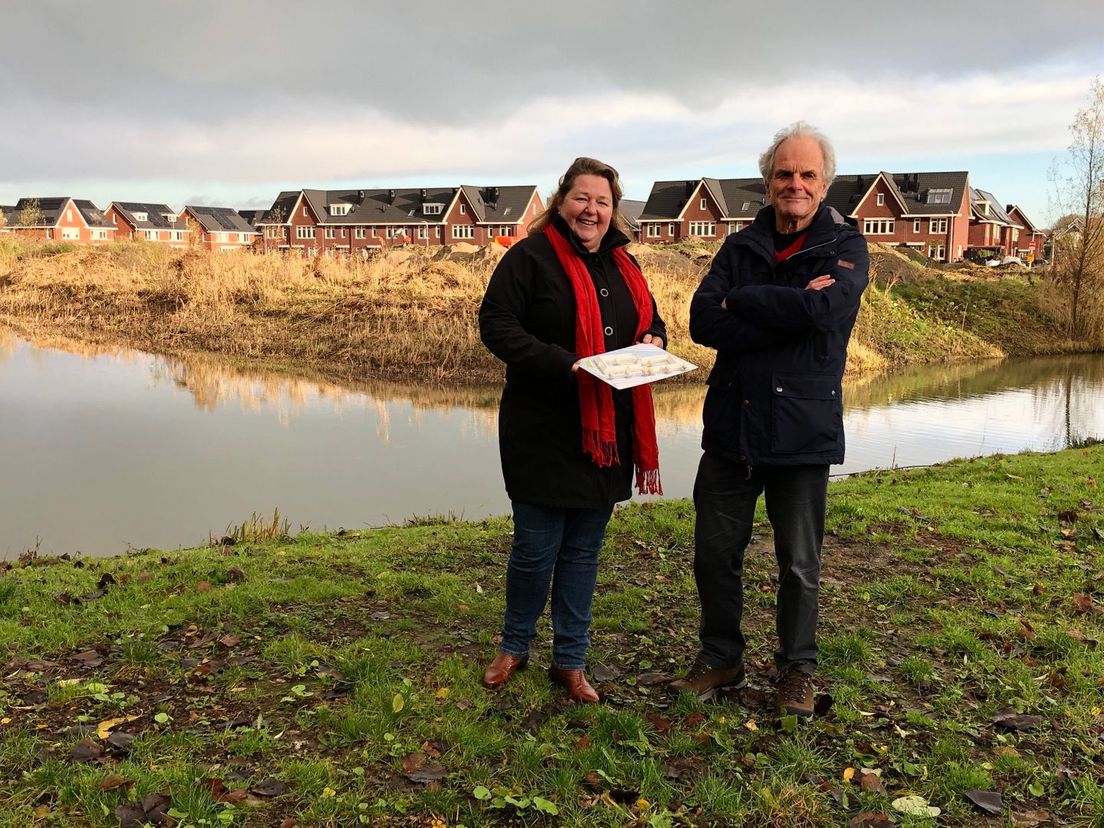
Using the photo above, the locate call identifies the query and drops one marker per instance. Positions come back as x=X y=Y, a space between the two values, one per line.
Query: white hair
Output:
x=800 y=129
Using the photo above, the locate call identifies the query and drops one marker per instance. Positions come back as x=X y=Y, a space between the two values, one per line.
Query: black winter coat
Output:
x=775 y=394
x=527 y=320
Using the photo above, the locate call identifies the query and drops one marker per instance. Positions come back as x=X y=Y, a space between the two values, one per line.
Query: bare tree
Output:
x=1078 y=254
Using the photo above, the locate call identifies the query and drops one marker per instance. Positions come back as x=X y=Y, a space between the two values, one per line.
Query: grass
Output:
x=410 y=314
x=331 y=680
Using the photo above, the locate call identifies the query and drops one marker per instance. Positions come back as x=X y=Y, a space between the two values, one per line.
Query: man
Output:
x=778 y=304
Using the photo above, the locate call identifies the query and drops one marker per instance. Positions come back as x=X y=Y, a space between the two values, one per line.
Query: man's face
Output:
x=797 y=184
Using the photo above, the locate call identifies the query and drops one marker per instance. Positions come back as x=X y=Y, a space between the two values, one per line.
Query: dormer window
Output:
x=169 y=217
x=432 y=208
x=339 y=209
x=141 y=217
x=939 y=195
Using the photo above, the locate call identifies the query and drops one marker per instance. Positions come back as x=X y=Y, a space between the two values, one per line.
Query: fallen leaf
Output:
x=111 y=782
x=269 y=787
x=870 y=781
x=86 y=751
x=203 y=586
x=428 y=773
x=1029 y=819
x=104 y=728
x=870 y=820
x=848 y=774
x=915 y=806
x=412 y=761
x=89 y=658
x=988 y=802
x=1010 y=720
x=121 y=740
x=653 y=679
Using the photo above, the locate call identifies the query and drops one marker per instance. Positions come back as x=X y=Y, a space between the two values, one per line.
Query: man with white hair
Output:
x=778 y=304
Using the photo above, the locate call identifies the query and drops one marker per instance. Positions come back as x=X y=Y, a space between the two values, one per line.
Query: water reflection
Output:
x=106 y=448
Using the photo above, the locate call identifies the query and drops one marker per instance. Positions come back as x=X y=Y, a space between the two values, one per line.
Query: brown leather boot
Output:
x=503 y=666
x=578 y=688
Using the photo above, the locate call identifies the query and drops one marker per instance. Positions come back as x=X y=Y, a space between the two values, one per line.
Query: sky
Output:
x=228 y=102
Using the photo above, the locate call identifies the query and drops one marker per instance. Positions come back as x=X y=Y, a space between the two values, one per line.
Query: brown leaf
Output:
x=89 y=658
x=870 y=782
x=269 y=787
x=427 y=774
x=1010 y=720
x=290 y=822
x=868 y=819
x=86 y=751
x=653 y=679
x=106 y=580
x=582 y=743
x=121 y=740
x=1029 y=819
x=236 y=575
x=412 y=761
x=988 y=802
x=660 y=724
x=695 y=719
x=593 y=781
x=230 y=641
x=1068 y=516
x=111 y=782
x=1083 y=602
x=203 y=586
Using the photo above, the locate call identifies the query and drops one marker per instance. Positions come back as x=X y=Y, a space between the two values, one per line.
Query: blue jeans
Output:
x=725 y=494
x=557 y=547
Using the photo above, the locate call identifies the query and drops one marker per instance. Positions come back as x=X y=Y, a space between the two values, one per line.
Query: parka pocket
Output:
x=806 y=414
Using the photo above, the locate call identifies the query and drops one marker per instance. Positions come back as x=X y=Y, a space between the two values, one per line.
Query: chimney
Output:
x=360 y=195
x=424 y=195
x=391 y=196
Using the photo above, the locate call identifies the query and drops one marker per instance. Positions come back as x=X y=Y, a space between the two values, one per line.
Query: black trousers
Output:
x=725 y=494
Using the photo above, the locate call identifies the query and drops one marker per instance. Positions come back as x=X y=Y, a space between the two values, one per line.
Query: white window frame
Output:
x=937 y=226
x=878 y=227
x=329 y=232
x=702 y=204
x=653 y=231
x=704 y=229
x=340 y=209
x=360 y=232
x=462 y=232
x=916 y=225
x=423 y=232
x=304 y=232
x=463 y=208
x=396 y=232
x=151 y=235
x=438 y=233
x=671 y=229
x=881 y=199
x=433 y=208
x=937 y=251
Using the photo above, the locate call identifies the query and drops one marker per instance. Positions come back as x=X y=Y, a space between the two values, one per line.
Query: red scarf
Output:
x=595 y=397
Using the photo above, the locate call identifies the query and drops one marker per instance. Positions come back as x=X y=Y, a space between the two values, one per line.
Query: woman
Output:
x=568 y=442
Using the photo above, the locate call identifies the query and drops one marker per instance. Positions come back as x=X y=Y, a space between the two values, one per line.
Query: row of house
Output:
x=82 y=222
x=936 y=213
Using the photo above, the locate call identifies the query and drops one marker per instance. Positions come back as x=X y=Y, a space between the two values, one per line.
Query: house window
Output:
x=434 y=209
x=70 y=233
x=339 y=209
x=939 y=195
x=178 y=235
x=463 y=209
x=272 y=232
x=508 y=230
x=881 y=199
x=360 y=232
x=463 y=231
x=438 y=233
x=653 y=231
x=68 y=215
x=329 y=232
x=937 y=252
x=423 y=232
x=916 y=225
x=372 y=231
x=394 y=232
x=877 y=227
x=100 y=234
x=151 y=235
x=702 y=205
x=671 y=229
x=304 y=232
x=703 y=228
x=746 y=207
x=304 y=211
x=937 y=225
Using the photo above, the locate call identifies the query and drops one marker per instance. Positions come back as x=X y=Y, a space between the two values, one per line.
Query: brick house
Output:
x=708 y=208
x=151 y=222
x=219 y=228
x=59 y=219
x=927 y=211
x=991 y=228
x=1031 y=240
x=312 y=222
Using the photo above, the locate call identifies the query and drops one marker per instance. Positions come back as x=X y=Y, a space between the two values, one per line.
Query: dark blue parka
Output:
x=774 y=393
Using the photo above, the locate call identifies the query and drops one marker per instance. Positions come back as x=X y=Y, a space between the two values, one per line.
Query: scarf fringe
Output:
x=647 y=482
x=602 y=451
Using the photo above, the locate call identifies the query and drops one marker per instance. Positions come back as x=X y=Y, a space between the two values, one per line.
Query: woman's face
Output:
x=587 y=209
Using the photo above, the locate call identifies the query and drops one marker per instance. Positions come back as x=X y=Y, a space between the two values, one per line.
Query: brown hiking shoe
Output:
x=795 y=694
x=704 y=681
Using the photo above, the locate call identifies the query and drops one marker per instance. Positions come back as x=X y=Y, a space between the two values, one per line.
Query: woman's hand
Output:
x=653 y=340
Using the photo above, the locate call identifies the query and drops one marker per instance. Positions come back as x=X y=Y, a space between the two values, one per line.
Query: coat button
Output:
x=609 y=331
x=778 y=389
x=604 y=292
x=746 y=402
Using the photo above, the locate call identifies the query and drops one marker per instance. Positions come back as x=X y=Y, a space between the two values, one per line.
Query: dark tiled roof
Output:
x=995 y=213
x=155 y=215
x=51 y=209
x=913 y=189
x=744 y=197
x=220 y=219
x=667 y=199
x=738 y=198
x=631 y=210
x=252 y=217
x=499 y=205
x=491 y=205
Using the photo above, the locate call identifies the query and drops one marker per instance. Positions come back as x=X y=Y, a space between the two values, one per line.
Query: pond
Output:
x=108 y=449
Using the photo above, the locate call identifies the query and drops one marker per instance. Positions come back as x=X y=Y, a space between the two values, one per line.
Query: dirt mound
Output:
x=669 y=261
